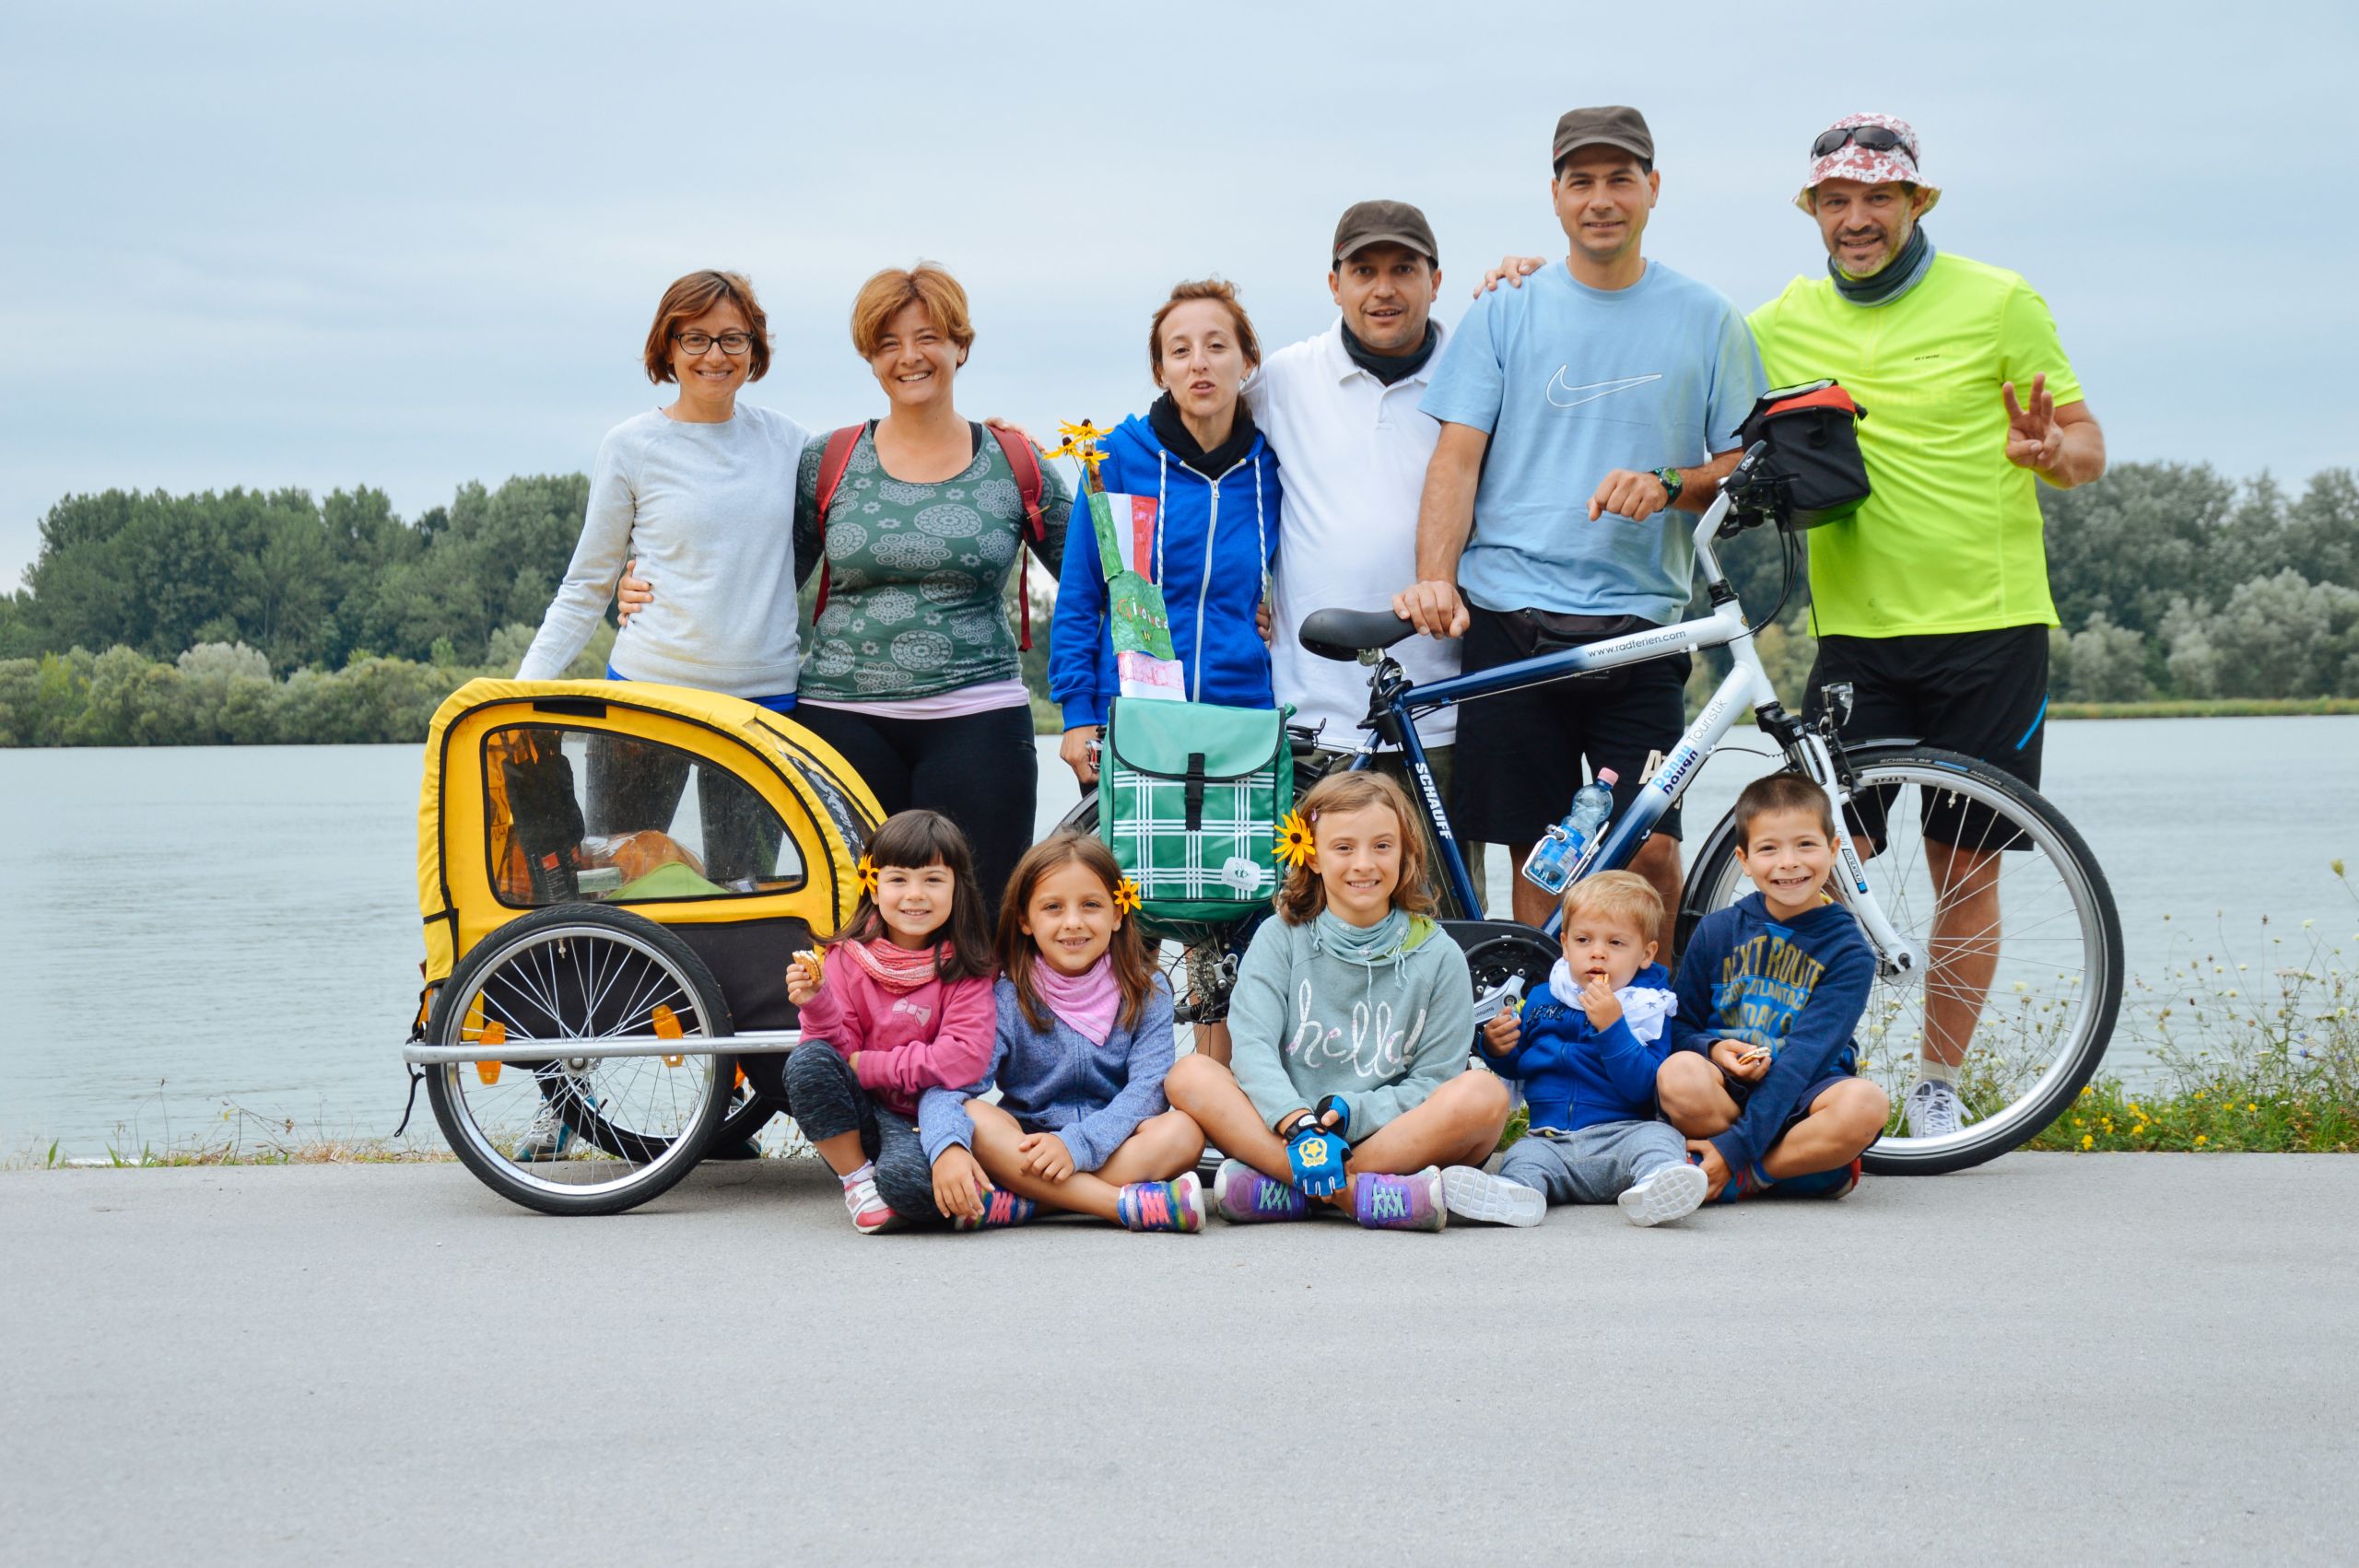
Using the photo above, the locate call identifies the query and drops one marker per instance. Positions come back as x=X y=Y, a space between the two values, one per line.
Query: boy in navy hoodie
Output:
x=1764 y=1080
x=1586 y=1048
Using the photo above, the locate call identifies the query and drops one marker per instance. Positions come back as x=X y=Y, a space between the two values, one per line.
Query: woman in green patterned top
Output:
x=910 y=670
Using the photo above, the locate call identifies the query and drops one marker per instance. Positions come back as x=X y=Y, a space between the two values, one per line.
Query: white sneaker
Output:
x=870 y=1213
x=1478 y=1195
x=1671 y=1193
x=547 y=1138
x=1934 y=1110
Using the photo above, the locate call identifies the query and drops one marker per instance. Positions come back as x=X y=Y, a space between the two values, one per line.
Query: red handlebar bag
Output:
x=1814 y=464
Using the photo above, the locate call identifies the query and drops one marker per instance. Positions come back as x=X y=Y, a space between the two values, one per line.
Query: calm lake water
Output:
x=197 y=935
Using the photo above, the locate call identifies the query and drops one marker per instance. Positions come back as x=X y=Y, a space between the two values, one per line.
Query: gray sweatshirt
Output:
x=709 y=511
x=1304 y=1025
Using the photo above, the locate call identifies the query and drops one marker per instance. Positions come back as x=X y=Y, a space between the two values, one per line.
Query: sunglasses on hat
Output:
x=1875 y=138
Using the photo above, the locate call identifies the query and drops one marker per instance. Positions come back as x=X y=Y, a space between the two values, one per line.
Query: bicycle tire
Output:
x=2079 y=1006
x=569 y=974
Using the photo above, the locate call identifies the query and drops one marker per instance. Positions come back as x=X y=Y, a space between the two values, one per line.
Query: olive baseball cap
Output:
x=1385 y=223
x=1613 y=126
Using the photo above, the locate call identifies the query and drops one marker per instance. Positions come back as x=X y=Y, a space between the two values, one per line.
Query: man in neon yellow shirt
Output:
x=1932 y=601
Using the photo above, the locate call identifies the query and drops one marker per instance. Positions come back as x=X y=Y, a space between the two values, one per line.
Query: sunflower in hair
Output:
x=868 y=876
x=1126 y=898
x=1294 y=842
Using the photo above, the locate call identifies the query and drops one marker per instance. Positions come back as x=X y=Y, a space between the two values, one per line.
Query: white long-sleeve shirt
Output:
x=709 y=513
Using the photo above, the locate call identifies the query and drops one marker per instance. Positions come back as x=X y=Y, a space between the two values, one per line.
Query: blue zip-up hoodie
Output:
x=1576 y=1075
x=1796 y=986
x=1092 y=1096
x=1213 y=541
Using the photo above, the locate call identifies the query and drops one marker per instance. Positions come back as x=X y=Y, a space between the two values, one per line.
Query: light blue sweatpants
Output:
x=1596 y=1164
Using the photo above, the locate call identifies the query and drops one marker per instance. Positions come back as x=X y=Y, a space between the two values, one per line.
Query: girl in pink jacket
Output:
x=902 y=1004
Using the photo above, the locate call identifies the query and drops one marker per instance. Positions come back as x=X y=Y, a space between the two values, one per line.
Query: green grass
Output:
x=2204 y=707
x=2227 y=1117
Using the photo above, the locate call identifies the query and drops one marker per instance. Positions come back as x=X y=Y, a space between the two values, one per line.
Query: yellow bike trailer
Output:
x=612 y=876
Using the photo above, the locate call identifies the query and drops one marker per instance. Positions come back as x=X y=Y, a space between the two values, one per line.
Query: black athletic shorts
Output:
x=1519 y=754
x=1981 y=693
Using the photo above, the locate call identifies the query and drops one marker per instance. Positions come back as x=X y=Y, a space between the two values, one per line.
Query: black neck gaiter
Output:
x=1163 y=418
x=1390 y=368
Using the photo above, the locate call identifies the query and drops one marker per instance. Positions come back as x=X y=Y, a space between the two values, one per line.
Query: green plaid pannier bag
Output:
x=1189 y=797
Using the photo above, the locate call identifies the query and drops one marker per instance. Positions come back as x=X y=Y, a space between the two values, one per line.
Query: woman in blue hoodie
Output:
x=1214 y=482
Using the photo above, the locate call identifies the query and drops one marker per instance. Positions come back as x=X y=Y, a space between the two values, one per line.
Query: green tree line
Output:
x=258 y=615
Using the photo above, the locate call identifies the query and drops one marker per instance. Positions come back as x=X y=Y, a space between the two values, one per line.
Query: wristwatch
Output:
x=1672 y=484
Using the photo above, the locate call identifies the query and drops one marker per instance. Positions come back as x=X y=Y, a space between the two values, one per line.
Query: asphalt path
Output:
x=2127 y=1358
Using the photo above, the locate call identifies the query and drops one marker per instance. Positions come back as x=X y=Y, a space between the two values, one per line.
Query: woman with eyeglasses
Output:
x=702 y=494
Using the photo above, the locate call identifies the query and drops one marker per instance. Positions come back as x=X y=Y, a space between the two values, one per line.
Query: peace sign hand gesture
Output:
x=2035 y=440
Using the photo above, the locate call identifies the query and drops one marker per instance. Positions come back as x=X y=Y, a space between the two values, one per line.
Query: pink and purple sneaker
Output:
x=1000 y=1210
x=1245 y=1197
x=1412 y=1202
x=1177 y=1205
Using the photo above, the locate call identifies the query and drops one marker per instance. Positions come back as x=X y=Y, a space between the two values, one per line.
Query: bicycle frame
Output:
x=1396 y=703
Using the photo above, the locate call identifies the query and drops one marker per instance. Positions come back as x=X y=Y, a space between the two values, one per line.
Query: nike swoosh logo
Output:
x=1572 y=397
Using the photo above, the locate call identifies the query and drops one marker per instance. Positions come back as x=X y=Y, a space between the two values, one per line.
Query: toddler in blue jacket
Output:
x=1587 y=1048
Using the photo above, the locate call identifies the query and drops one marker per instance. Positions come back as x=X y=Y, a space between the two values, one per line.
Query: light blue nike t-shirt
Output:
x=1573 y=382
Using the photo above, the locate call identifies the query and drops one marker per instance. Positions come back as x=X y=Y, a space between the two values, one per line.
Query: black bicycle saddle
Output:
x=1347 y=634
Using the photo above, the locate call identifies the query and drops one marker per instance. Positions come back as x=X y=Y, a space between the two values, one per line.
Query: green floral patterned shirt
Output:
x=919 y=575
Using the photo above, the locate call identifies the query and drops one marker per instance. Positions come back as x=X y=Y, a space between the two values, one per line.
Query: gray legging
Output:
x=825 y=1100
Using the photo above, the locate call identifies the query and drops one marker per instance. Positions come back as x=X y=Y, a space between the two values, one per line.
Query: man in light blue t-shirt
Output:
x=1586 y=417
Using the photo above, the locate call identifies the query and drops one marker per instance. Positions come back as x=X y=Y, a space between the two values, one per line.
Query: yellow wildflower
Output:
x=2201 y=1138
x=1294 y=841
x=1126 y=898
x=2087 y=1141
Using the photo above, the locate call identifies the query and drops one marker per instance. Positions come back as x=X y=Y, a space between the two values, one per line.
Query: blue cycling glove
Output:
x=1317 y=1154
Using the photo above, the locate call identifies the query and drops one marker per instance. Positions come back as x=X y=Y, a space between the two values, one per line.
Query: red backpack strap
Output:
x=1029 y=486
x=833 y=461
x=1025 y=460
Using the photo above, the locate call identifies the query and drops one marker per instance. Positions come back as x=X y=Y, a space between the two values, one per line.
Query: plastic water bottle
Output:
x=1551 y=861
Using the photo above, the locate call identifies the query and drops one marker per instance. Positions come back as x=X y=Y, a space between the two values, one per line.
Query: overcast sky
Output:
x=413 y=245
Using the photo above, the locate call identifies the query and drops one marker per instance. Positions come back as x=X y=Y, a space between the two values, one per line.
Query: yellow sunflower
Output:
x=1080 y=443
x=1126 y=898
x=1294 y=844
x=868 y=876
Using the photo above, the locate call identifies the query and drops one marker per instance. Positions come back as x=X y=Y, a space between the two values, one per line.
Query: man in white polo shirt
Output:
x=1340 y=411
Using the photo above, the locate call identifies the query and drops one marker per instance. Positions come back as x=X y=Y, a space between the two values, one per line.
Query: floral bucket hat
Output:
x=1875 y=149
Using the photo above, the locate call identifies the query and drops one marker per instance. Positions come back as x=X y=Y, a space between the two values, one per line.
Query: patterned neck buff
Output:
x=897 y=968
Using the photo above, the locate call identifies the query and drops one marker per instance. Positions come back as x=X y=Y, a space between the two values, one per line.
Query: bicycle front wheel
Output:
x=2019 y=945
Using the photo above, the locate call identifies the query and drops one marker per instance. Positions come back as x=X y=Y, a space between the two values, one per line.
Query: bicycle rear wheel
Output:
x=2032 y=985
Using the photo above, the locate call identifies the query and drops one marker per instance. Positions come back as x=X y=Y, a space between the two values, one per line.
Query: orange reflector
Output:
x=494 y=1033
x=666 y=1022
x=673 y=1061
x=488 y=1072
x=741 y=1080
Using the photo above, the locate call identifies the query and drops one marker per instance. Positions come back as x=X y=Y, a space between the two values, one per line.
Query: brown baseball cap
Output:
x=1385 y=223
x=1613 y=126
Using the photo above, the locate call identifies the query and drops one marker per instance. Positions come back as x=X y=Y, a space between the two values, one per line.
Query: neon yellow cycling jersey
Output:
x=1951 y=540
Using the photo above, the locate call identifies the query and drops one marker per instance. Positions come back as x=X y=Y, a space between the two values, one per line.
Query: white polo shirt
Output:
x=1354 y=453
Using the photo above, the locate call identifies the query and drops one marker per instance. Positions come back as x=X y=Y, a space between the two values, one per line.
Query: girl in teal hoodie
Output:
x=1352 y=1021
